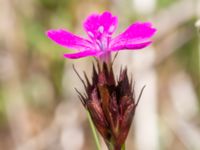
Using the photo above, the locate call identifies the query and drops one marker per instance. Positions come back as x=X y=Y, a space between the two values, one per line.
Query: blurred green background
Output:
x=39 y=108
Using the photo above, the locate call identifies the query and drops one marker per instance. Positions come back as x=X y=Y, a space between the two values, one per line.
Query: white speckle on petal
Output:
x=111 y=29
x=91 y=34
x=101 y=29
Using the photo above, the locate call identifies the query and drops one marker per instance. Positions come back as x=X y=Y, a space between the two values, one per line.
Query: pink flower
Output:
x=99 y=28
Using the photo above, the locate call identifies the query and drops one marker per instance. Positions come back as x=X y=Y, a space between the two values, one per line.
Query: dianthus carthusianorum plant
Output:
x=110 y=102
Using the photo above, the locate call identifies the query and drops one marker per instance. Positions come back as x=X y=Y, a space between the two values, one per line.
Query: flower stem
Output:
x=113 y=146
x=106 y=58
x=123 y=147
x=94 y=132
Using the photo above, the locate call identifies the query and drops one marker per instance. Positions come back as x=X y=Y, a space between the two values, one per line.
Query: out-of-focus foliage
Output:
x=164 y=3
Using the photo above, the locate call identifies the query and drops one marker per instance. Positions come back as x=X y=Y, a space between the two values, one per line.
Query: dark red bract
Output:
x=111 y=103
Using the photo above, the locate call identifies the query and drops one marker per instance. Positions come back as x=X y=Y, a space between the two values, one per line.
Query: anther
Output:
x=111 y=29
x=101 y=29
x=91 y=34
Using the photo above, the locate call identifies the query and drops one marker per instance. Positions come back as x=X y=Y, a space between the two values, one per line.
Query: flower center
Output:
x=102 y=39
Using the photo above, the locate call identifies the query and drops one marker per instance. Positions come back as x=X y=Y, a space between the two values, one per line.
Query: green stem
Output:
x=112 y=146
x=94 y=132
x=123 y=147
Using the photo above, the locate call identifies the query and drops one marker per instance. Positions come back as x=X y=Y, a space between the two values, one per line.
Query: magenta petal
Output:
x=82 y=54
x=69 y=40
x=131 y=46
x=136 y=34
x=96 y=25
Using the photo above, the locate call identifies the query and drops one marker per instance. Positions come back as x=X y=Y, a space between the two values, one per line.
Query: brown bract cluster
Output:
x=111 y=103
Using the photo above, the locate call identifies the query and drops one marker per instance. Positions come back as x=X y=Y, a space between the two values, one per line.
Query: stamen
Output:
x=99 y=43
x=101 y=29
x=91 y=34
x=111 y=29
